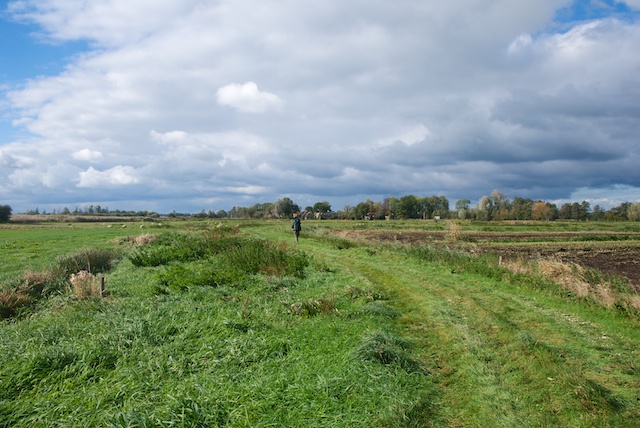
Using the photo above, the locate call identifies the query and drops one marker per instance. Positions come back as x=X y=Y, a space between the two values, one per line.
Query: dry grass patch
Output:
x=85 y=285
x=455 y=232
x=145 y=239
x=575 y=278
x=11 y=301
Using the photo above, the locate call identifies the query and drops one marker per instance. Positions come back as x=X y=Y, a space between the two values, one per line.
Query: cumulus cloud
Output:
x=247 y=98
x=88 y=155
x=172 y=103
x=117 y=176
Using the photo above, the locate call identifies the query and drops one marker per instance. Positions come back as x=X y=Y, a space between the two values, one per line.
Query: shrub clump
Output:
x=28 y=288
x=75 y=270
x=215 y=260
x=92 y=260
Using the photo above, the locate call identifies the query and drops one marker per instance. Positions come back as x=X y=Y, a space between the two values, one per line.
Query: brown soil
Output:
x=610 y=253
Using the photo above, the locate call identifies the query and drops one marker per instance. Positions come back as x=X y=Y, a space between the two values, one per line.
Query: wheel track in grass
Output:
x=504 y=356
x=501 y=355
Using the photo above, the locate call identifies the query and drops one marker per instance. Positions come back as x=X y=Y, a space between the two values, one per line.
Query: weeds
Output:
x=222 y=261
x=75 y=271
x=92 y=260
x=85 y=285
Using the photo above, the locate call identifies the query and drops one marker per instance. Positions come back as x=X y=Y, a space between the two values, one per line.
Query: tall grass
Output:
x=561 y=279
x=277 y=349
x=255 y=333
x=74 y=272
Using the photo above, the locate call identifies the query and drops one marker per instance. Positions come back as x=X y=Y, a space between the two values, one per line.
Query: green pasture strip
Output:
x=34 y=247
x=501 y=354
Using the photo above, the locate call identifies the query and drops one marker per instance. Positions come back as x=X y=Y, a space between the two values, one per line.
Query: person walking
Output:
x=296 y=226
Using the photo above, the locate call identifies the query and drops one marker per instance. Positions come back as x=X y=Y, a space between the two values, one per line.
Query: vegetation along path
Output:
x=501 y=350
x=205 y=325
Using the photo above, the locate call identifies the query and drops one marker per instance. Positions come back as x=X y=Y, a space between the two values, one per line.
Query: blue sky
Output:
x=589 y=10
x=192 y=105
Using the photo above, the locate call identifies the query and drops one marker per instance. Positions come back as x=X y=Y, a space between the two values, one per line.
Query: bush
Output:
x=258 y=256
x=92 y=260
x=235 y=253
x=5 y=213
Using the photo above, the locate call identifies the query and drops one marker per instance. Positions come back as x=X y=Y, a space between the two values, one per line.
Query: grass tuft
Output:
x=387 y=349
x=85 y=285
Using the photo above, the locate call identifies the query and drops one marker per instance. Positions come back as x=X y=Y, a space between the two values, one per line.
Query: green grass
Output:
x=357 y=335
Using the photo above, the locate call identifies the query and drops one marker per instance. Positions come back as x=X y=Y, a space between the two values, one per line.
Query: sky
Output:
x=188 y=105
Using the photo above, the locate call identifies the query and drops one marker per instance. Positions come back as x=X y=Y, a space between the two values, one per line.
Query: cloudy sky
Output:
x=206 y=104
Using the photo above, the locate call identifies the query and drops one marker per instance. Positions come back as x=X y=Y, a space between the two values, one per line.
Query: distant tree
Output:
x=462 y=204
x=322 y=207
x=484 y=210
x=580 y=211
x=5 y=213
x=392 y=206
x=501 y=206
x=285 y=208
x=541 y=211
x=441 y=206
x=201 y=214
x=619 y=213
x=565 y=212
x=633 y=212
x=363 y=209
x=408 y=207
x=597 y=214
x=380 y=210
x=65 y=211
x=462 y=208
x=522 y=208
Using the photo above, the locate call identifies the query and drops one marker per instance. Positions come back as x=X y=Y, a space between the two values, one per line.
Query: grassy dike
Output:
x=365 y=334
x=251 y=345
x=501 y=349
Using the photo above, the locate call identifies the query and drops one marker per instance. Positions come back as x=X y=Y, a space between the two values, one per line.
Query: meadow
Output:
x=384 y=324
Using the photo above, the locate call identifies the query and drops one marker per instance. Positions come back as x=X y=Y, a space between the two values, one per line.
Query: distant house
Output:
x=306 y=215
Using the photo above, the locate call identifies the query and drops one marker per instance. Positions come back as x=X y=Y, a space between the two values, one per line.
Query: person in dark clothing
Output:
x=296 y=226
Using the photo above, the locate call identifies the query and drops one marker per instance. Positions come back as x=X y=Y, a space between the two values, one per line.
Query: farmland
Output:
x=401 y=323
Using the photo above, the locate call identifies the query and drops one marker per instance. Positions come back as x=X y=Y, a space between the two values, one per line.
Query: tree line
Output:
x=496 y=206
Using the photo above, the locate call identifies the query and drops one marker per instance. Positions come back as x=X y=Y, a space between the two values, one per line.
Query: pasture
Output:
x=389 y=324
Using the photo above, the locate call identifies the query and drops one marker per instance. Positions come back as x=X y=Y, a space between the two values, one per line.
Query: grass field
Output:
x=386 y=324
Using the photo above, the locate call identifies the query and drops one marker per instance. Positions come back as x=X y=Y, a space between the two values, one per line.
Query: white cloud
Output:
x=247 y=98
x=88 y=155
x=416 y=97
x=120 y=175
x=635 y=4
